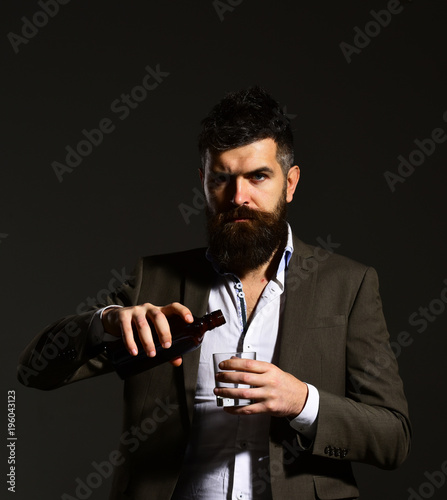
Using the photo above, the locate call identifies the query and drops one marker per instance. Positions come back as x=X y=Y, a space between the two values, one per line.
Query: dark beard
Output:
x=239 y=247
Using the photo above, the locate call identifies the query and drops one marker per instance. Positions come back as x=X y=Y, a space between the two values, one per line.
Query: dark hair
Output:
x=243 y=117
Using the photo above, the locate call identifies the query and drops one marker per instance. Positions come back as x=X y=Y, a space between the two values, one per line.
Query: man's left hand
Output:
x=272 y=390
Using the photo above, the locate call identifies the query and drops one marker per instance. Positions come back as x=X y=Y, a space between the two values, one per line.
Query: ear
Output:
x=293 y=176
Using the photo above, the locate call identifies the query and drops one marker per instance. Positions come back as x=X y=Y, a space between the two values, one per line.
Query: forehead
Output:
x=246 y=158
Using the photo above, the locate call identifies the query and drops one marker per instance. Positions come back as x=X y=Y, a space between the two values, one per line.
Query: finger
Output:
x=245 y=410
x=242 y=364
x=125 y=323
x=252 y=393
x=161 y=325
x=143 y=330
x=179 y=310
x=245 y=378
x=176 y=361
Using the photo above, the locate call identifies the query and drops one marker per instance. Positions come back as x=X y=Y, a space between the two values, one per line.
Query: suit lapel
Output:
x=300 y=290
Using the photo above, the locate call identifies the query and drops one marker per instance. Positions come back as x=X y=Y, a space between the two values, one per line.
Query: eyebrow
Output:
x=220 y=169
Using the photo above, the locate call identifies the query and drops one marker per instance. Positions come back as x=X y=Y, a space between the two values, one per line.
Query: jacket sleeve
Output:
x=65 y=352
x=370 y=424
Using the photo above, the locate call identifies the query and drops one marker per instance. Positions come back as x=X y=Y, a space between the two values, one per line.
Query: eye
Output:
x=259 y=177
x=218 y=179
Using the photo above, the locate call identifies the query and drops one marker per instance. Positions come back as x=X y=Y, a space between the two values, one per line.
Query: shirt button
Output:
x=238 y=286
x=241 y=295
x=240 y=495
x=243 y=444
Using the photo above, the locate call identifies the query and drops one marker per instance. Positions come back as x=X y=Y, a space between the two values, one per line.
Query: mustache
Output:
x=241 y=212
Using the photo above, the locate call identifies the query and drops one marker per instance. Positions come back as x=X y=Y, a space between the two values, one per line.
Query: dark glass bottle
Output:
x=185 y=338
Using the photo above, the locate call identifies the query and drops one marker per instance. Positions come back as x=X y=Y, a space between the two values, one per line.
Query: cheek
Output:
x=213 y=199
x=266 y=201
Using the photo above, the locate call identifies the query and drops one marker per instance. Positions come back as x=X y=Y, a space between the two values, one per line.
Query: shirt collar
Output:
x=288 y=251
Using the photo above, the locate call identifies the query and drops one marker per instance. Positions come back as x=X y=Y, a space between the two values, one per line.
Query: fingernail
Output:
x=151 y=354
x=189 y=318
x=166 y=345
x=134 y=352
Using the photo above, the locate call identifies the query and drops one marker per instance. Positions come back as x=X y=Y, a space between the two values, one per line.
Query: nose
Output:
x=241 y=194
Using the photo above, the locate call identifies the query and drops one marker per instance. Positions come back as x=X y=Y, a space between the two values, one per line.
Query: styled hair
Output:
x=243 y=117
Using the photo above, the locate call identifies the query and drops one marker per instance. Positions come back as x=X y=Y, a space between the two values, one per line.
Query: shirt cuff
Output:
x=306 y=422
x=96 y=328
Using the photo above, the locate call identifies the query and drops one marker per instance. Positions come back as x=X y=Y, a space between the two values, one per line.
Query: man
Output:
x=322 y=394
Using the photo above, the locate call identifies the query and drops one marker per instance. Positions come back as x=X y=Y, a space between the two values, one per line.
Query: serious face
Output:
x=247 y=193
x=250 y=176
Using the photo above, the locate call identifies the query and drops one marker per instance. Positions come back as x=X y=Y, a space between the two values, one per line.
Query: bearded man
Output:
x=313 y=318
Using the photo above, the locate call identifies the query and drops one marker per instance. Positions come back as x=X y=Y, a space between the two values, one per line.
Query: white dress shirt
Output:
x=227 y=455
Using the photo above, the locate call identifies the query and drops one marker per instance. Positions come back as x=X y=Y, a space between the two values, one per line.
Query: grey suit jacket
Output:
x=332 y=335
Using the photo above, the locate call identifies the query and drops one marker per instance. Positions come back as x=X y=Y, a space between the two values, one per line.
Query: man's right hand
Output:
x=118 y=321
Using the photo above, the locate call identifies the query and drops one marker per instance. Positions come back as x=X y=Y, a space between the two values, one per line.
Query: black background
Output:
x=59 y=241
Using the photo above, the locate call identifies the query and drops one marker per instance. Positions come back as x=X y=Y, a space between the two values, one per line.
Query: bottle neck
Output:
x=212 y=320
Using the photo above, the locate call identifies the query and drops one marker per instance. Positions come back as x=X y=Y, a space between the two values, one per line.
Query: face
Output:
x=247 y=194
x=248 y=176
